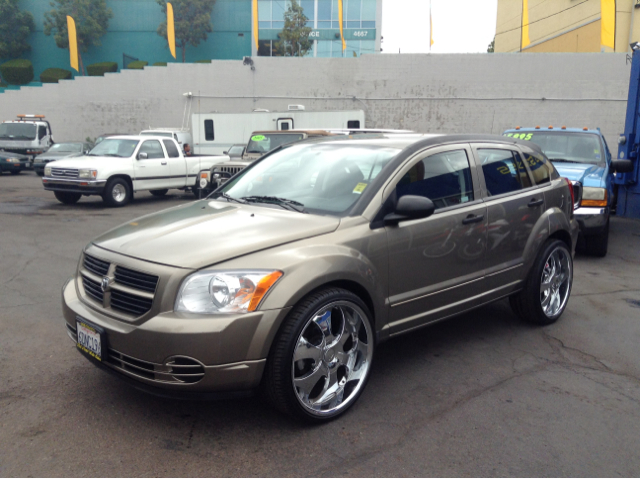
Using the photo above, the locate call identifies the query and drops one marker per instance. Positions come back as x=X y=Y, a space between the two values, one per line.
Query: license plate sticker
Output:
x=90 y=339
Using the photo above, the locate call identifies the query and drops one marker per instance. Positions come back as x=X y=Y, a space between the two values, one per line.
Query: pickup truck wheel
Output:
x=67 y=198
x=158 y=192
x=599 y=244
x=321 y=358
x=548 y=287
x=117 y=192
x=15 y=172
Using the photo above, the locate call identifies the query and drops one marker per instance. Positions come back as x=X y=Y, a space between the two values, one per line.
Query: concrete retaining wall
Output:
x=483 y=93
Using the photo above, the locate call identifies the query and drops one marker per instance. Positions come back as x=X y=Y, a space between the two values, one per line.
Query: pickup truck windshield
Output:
x=66 y=148
x=17 y=131
x=569 y=147
x=263 y=142
x=113 y=147
x=321 y=178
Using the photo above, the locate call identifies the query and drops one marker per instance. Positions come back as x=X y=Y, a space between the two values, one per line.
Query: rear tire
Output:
x=548 y=286
x=117 y=192
x=331 y=335
x=67 y=198
x=599 y=244
x=159 y=192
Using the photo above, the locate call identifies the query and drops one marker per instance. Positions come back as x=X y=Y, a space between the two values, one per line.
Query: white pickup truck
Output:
x=120 y=166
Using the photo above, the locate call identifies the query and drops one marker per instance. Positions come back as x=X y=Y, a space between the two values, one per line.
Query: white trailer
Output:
x=215 y=133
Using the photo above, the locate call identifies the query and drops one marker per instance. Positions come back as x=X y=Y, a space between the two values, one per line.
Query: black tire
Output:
x=40 y=173
x=117 y=192
x=159 y=192
x=15 y=172
x=67 y=198
x=528 y=303
x=278 y=381
x=599 y=244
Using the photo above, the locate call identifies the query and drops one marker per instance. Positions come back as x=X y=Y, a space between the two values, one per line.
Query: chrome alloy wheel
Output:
x=555 y=283
x=119 y=193
x=332 y=358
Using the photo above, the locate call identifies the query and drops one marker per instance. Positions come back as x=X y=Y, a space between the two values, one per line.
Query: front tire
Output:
x=117 y=192
x=599 y=244
x=67 y=198
x=548 y=287
x=321 y=358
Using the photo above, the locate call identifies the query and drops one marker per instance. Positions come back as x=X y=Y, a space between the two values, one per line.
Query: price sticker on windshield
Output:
x=359 y=188
x=258 y=138
x=520 y=136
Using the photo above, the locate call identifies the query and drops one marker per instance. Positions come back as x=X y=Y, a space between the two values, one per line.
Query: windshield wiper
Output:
x=563 y=160
x=227 y=197
x=283 y=202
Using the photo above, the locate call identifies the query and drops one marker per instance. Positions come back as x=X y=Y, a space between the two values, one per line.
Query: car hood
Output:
x=88 y=161
x=56 y=156
x=586 y=173
x=206 y=232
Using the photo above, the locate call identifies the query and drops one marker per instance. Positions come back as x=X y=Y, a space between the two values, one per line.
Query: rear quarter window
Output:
x=541 y=168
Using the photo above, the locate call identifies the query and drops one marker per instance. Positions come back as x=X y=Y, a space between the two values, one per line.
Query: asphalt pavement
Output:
x=479 y=395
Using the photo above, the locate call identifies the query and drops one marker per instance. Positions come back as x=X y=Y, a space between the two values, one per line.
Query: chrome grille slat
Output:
x=135 y=279
x=64 y=173
x=95 y=265
x=92 y=289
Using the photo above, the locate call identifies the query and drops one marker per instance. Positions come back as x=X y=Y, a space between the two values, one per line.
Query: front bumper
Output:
x=592 y=221
x=84 y=186
x=231 y=349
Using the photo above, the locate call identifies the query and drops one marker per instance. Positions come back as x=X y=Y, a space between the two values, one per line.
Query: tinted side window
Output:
x=152 y=148
x=172 y=150
x=208 y=130
x=502 y=172
x=541 y=169
x=42 y=132
x=353 y=124
x=444 y=178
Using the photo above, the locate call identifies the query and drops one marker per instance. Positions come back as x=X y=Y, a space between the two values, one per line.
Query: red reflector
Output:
x=84 y=184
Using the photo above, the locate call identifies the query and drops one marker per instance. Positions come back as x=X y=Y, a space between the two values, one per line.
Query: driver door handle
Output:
x=163 y=163
x=472 y=219
x=533 y=203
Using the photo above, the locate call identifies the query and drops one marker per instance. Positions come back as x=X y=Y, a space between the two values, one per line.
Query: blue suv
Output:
x=582 y=156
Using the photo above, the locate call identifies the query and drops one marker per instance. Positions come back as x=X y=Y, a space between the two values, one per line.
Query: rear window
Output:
x=261 y=143
x=208 y=130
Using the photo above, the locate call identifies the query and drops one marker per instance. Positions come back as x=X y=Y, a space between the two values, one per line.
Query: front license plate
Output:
x=91 y=339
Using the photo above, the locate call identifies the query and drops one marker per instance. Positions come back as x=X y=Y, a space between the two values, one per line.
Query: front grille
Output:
x=179 y=369
x=64 y=172
x=95 y=265
x=127 y=291
x=577 y=193
x=232 y=170
x=129 y=303
x=93 y=289
x=134 y=279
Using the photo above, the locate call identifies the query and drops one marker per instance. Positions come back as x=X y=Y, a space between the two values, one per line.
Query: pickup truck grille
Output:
x=64 y=173
x=128 y=291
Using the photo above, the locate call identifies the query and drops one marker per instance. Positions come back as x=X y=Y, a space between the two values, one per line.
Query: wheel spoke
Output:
x=331 y=389
x=306 y=350
x=306 y=384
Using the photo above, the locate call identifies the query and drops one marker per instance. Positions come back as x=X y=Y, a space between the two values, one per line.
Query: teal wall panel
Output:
x=132 y=31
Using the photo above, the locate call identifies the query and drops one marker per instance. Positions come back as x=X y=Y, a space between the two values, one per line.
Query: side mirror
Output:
x=225 y=152
x=622 y=166
x=143 y=156
x=410 y=207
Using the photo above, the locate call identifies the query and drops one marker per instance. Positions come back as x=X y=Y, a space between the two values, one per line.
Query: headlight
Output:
x=212 y=292
x=47 y=171
x=594 y=196
x=204 y=179
x=86 y=173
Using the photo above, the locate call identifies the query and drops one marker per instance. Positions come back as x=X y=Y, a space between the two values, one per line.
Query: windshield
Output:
x=235 y=151
x=263 y=142
x=18 y=131
x=66 y=148
x=323 y=178
x=572 y=147
x=119 y=148
x=157 y=133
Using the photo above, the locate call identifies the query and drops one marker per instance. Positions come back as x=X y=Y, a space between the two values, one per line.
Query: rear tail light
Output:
x=573 y=199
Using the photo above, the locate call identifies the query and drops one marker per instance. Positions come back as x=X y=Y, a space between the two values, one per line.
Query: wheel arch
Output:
x=123 y=176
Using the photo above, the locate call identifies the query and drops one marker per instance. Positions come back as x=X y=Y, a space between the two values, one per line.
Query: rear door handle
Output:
x=472 y=219
x=533 y=203
x=163 y=163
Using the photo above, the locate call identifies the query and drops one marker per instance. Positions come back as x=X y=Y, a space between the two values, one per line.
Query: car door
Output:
x=514 y=205
x=177 y=165
x=153 y=171
x=436 y=264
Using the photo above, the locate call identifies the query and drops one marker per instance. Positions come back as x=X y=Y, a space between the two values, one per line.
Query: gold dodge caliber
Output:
x=287 y=277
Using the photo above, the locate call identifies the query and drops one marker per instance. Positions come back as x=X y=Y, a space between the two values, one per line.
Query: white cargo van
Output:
x=181 y=135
